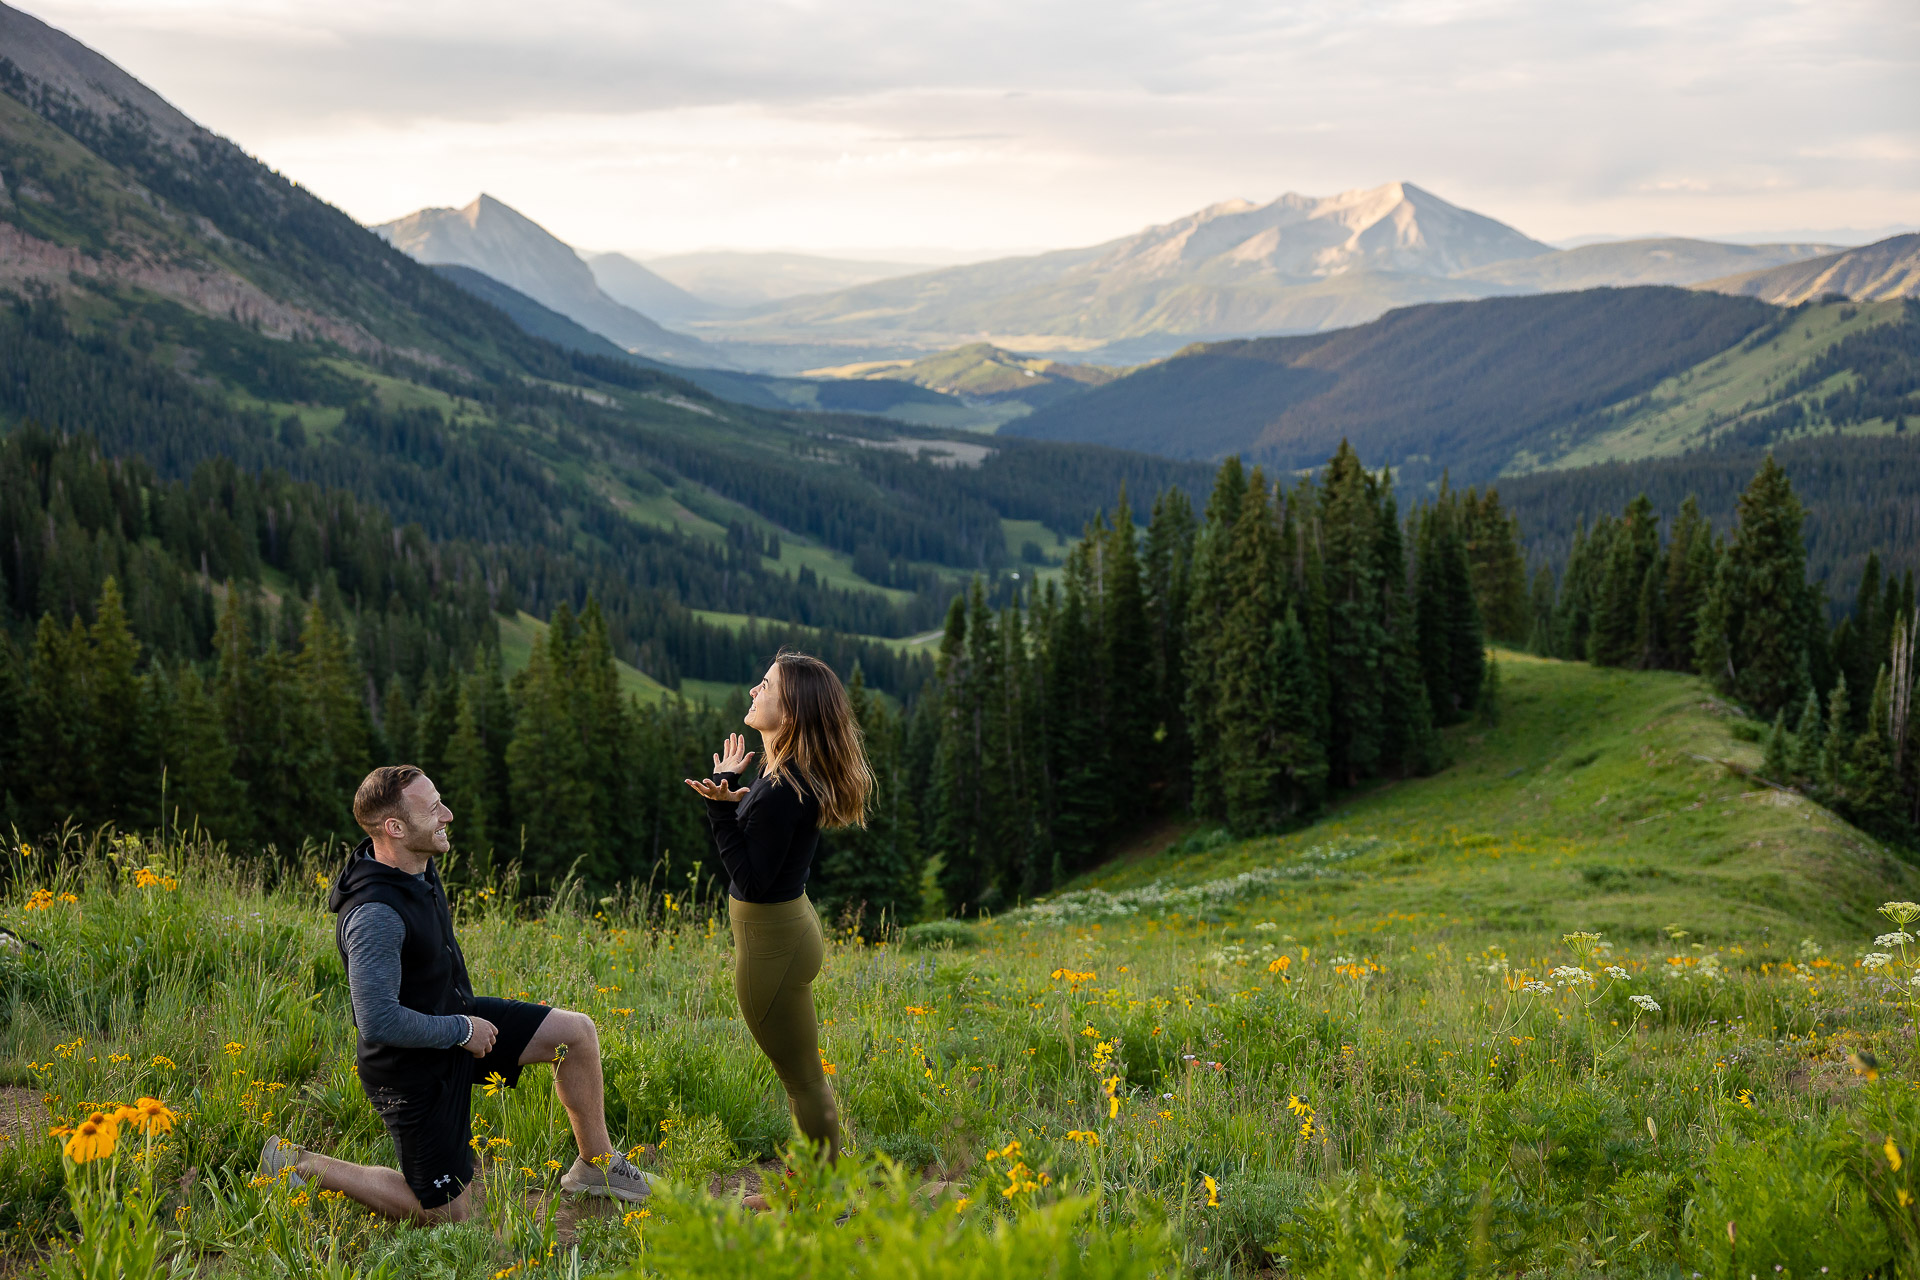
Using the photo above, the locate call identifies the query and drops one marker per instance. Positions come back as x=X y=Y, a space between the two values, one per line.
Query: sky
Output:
x=927 y=132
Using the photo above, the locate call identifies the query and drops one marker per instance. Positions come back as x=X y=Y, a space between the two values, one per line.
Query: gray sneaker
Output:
x=280 y=1154
x=614 y=1176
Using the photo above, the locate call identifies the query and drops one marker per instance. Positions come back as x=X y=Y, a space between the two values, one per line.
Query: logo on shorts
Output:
x=443 y=1180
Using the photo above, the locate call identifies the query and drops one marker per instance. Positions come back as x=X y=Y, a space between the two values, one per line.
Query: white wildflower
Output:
x=1572 y=973
x=1875 y=960
x=1265 y=925
x=1615 y=971
x=1893 y=939
x=1161 y=898
x=1646 y=1002
x=1538 y=988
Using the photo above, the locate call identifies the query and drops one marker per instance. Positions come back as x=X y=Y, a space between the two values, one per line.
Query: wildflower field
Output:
x=1587 y=1002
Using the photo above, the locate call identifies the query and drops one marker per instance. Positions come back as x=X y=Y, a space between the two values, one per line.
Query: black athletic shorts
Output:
x=431 y=1122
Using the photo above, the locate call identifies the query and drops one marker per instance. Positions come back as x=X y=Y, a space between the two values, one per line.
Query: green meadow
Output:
x=1589 y=1001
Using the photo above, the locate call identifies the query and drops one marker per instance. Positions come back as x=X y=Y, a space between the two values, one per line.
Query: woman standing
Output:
x=815 y=776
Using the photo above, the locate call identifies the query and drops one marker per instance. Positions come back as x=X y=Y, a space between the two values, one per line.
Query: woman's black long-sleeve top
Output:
x=766 y=839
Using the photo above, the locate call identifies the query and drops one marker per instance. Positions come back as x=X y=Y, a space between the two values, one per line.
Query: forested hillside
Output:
x=1293 y=641
x=177 y=301
x=1861 y=494
x=1460 y=385
x=1515 y=385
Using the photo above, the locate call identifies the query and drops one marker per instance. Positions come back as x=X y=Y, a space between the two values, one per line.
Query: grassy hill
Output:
x=1366 y=1038
x=1602 y=799
x=1745 y=383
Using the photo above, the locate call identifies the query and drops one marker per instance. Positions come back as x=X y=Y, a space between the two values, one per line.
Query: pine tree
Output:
x=1649 y=651
x=1775 y=763
x=331 y=684
x=1210 y=599
x=1357 y=643
x=1028 y=861
x=126 y=767
x=1126 y=660
x=13 y=711
x=1873 y=798
x=1250 y=669
x=1540 y=637
x=1858 y=647
x=962 y=875
x=59 y=727
x=548 y=769
x=1689 y=569
x=202 y=786
x=397 y=723
x=464 y=788
x=1076 y=739
x=1452 y=647
x=1298 y=720
x=1466 y=641
x=1755 y=626
x=1617 y=612
x=1167 y=571
x=1836 y=745
x=1809 y=742
x=1407 y=741
x=602 y=718
x=434 y=720
x=484 y=692
x=1499 y=570
x=1579 y=586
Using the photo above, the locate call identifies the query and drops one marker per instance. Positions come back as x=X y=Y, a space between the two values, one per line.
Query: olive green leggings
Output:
x=777 y=950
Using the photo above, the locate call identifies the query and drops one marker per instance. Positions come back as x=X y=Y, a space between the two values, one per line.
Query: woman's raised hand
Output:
x=732 y=758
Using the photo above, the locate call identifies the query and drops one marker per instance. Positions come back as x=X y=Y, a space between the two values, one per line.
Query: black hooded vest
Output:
x=433 y=972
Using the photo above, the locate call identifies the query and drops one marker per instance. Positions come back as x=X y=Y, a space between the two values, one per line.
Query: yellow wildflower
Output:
x=149 y=1115
x=93 y=1139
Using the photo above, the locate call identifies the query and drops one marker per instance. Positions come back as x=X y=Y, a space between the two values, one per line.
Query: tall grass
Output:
x=1358 y=1061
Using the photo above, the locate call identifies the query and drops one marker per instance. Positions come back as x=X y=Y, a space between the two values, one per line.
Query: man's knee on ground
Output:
x=458 y=1209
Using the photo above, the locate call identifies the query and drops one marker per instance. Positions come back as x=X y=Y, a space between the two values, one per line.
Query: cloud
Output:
x=848 y=123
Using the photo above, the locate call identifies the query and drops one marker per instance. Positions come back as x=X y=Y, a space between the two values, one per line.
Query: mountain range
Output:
x=173 y=297
x=503 y=243
x=1298 y=264
x=1889 y=268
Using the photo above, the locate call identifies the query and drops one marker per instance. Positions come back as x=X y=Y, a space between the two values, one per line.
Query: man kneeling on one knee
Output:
x=425 y=1040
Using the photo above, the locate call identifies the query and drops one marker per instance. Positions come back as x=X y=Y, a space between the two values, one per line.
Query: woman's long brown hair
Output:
x=819 y=747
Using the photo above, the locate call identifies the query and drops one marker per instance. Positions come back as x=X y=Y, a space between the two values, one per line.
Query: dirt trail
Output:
x=23 y=1116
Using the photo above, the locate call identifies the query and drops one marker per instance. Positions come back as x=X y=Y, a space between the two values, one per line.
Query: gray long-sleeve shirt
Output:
x=373 y=933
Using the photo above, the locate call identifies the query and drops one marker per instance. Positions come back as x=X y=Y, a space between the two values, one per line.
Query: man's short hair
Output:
x=379 y=795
